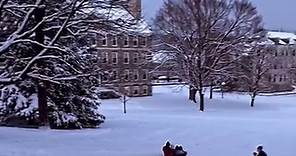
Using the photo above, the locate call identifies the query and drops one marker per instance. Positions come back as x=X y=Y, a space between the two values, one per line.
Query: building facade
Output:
x=281 y=47
x=126 y=58
x=280 y=51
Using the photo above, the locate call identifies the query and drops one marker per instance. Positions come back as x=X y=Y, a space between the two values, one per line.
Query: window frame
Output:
x=136 y=58
x=145 y=73
x=147 y=90
x=136 y=75
x=135 y=39
x=105 y=40
x=105 y=58
x=125 y=40
x=126 y=75
x=124 y=57
x=136 y=88
x=116 y=57
x=114 y=38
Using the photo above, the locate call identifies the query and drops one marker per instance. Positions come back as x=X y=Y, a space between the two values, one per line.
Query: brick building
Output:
x=126 y=56
x=280 y=52
x=281 y=47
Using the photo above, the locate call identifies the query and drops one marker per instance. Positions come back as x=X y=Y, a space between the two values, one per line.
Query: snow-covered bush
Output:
x=68 y=108
x=74 y=106
x=18 y=107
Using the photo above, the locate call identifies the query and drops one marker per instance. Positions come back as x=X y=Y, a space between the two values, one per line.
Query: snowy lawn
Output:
x=228 y=127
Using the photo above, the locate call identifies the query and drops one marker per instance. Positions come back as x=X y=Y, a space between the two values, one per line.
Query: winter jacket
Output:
x=180 y=153
x=167 y=151
x=261 y=153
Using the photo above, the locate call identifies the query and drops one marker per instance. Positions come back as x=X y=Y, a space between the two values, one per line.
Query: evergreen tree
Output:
x=48 y=69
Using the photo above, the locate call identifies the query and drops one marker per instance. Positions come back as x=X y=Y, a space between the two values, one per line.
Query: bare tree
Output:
x=205 y=37
x=253 y=71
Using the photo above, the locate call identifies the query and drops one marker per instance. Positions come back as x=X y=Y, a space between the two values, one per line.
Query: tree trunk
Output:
x=201 y=101
x=211 y=91
x=42 y=104
x=39 y=14
x=192 y=94
x=124 y=104
x=253 y=99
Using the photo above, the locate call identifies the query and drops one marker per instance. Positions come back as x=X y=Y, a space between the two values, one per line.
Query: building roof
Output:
x=281 y=38
x=122 y=17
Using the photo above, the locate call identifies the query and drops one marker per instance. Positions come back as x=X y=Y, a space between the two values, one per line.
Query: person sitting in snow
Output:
x=168 y=149
x=179 y=151
x=260 y=151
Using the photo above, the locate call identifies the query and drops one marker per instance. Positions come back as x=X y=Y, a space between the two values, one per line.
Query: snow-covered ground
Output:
x=228 y=127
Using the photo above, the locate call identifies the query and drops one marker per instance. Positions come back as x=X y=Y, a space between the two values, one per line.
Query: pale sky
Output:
x=277 y=14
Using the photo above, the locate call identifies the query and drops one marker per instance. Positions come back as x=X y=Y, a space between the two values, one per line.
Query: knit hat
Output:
x=260 y=147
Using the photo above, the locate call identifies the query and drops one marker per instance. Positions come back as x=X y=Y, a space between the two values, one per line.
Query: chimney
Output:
x=135 y=8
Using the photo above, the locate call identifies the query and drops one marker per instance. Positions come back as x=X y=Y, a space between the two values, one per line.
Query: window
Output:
x=125 y=41
x=135 y=41
x=285 y=78
x=143 y=41
x=269 y=78
x=293 y=53
x=126 y=90
x=144 y=56
x=281 y=78
x=136 y=90
x=145 y=73
x=93 y=40
x=274 y=78
x=126 y=58
x=114 y=75
x=104 y=57
x=126 y=75
x=136 y=75
x=114 y=58
x=275 y=67
x=136 y=57
x=145 y=90
x=104 y=40
x=275 y=53
x=114 y=40
x=149 y=56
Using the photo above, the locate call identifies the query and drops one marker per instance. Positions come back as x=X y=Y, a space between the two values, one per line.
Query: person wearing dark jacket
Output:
x=260 y=151
x=179 y=151
x=168 y=149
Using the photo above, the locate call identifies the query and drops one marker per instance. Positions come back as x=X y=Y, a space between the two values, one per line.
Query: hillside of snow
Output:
x=227 y=127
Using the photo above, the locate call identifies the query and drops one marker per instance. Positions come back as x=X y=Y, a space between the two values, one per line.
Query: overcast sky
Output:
x=277 y=14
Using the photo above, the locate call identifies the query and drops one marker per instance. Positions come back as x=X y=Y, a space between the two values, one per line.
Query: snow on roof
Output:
x=267 y=42
x=122 y=17
x=282 y=42
x=282 y=38
x=281 y=35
